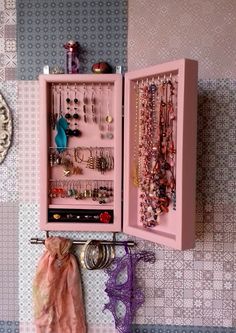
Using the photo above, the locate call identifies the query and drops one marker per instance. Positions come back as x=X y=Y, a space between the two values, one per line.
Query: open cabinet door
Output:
x=159 y=182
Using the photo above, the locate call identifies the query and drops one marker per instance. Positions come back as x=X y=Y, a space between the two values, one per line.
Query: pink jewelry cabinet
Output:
x=97 y=175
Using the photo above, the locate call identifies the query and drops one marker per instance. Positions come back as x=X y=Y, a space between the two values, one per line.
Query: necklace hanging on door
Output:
x=155 y=129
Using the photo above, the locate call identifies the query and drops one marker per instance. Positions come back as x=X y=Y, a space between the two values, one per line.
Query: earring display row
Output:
x=81 y=159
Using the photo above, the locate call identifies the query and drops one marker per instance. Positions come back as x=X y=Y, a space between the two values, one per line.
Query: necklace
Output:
x=135 y=169
x=154 y=167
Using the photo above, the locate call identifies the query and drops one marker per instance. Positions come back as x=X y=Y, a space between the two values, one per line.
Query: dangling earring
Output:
x=93 y=101
x=90 y=161
x=109 y=118
x=78 y=159
x=76 y=101
x=84 y=104
x=75 y=132
x=68 y=102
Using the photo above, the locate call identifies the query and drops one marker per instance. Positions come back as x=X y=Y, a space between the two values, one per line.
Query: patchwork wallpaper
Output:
x=164 y=30
x=192 y=291
x=9 y=305
x=7 y=40
x=180 y=329
x=9 y=169
x=194 y=287
x=45 y=26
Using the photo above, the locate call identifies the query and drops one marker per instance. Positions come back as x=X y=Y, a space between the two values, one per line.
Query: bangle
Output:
x=95 y=255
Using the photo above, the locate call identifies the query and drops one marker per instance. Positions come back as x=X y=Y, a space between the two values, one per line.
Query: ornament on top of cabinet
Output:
x=55 y=70
x=101 y=68
x=72 y=57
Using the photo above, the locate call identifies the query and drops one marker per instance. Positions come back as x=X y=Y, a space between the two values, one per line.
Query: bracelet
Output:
x=95 y=255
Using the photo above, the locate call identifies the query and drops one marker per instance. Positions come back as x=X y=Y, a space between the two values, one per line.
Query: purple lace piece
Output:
x=128 y=292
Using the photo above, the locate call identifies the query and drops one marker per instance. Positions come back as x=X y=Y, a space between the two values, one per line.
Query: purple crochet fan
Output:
x=128 y=292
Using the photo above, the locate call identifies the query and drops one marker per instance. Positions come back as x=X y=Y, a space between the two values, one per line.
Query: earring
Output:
x=67 y=116
x=77 y=158
x=93 y=101
x=76 y=101
x=84 y=105
x=68 y=100
x=109 y=118
x=102 y=167
x=90 y=161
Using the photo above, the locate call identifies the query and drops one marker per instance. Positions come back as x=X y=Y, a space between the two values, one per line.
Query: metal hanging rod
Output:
x=81 y=242
x=128 y=243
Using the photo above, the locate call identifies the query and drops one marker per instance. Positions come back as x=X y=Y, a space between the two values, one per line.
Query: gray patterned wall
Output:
x=44 y=26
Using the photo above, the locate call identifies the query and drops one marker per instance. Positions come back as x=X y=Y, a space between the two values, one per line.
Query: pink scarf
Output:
x=57 y=292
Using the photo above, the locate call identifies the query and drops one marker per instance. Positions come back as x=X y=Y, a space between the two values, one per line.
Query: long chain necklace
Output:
x=135 y=168
x=155 y=129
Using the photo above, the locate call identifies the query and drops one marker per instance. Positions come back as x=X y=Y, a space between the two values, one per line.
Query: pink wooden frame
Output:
x=177 y=228
x=45 y=82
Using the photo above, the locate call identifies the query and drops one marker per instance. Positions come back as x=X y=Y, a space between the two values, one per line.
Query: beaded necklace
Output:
x=156 y=129
x=135 y=170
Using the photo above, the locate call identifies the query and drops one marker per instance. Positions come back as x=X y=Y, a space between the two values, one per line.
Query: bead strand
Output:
x=156 y=148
